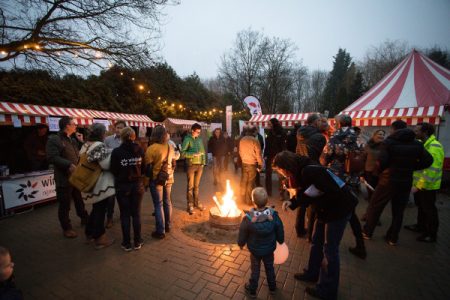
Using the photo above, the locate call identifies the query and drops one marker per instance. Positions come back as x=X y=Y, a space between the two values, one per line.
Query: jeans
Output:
x=129 y=198
x=63 y=196
x=247 y=182
x=427 y=214
x=110 y=207
x=381 y=197
x=218 y=169
x=194 y=174
x=325 y=244
x=255 y=266
x=96 y=223
x=162 y=203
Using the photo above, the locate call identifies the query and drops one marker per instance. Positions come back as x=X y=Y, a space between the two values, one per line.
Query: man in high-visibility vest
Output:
x=426 y=184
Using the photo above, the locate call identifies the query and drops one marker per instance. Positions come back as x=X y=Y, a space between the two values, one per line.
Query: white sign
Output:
x=102 y=121
x=26 y=190
x=142 y=131
x=228 y=118
x=53 y=123
x=16 y=121
x=253 y=105
x=213 y=126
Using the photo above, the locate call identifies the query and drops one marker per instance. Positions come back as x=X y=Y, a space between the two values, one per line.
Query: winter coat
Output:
x=430 y=178
x=156 y=154
x=193 y=146
x=340 y=145
x=335 y=203
x=372 y=152
x=261 y=235
x=62 y=151
x=9 y=291
x=250 y=151
x=401 y=154
x=217 y=146
x=310 y=142
x=275 y=143
x=104 y=187
x=127 y=163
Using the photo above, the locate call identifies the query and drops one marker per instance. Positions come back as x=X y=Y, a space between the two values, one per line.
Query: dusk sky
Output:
x=197 y=33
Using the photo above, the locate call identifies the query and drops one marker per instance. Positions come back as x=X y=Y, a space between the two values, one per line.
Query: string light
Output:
x=121 y=73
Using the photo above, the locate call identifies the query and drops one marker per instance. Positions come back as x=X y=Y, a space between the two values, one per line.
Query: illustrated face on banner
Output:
x=253 y=105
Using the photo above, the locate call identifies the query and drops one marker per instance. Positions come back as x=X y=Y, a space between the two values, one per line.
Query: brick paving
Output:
x=49 y=266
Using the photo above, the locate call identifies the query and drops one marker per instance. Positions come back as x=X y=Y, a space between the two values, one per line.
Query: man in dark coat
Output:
x=400 y=156
x=63 y=154
x=218 y=148
x=275 y=143
x=310 y=140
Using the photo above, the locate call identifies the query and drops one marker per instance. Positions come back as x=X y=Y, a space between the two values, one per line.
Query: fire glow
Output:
x=227 y=205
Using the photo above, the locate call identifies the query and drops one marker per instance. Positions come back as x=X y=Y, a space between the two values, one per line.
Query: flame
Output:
x=228 y=207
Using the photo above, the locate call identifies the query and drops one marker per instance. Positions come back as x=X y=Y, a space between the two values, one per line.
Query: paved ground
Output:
x=49 y=266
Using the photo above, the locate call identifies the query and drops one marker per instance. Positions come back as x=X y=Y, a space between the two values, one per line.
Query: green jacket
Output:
x=430 y=178
x=193 y=146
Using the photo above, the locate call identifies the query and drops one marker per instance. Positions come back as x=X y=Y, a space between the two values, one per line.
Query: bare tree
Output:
x=380 y=60
x=79 y=33
x=317 y=86
x=300 y=88
x=240 y=69
x=277 y=78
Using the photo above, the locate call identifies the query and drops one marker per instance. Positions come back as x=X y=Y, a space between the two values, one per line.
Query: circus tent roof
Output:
x=416 y=90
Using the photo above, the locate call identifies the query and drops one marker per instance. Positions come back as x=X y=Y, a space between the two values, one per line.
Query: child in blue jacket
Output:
x=260 y=229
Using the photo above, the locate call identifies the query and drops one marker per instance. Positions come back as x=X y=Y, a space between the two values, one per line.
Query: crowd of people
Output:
x=321 y=167
x=327 y=167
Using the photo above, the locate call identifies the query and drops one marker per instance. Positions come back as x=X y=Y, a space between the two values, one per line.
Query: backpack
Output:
x=86 y=174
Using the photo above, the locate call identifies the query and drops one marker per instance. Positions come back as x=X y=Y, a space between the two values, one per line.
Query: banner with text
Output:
x=26 y=190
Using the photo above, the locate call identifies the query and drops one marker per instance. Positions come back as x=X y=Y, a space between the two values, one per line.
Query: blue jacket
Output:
x=261 y=237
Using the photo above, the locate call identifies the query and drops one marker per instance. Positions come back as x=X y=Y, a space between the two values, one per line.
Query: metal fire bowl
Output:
x=227 y=223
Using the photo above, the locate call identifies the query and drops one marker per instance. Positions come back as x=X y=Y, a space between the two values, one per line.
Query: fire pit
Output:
x=226 y=214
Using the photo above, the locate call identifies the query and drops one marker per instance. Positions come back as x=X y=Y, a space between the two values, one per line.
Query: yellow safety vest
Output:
x=430 y=178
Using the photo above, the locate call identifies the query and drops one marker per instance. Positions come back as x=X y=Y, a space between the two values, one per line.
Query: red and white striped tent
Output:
x=30 y=114
x=416 y=90
x=173 y=124
x=286 y=120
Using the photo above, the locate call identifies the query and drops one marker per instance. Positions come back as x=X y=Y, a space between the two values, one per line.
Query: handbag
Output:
x=163 y=174
x=86 y=174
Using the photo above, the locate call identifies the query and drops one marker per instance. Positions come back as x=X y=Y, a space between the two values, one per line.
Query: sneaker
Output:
x=249 y=292
x=138 y=244
x=391 y=242
x=190 y=210
x=200 y=207
x=89 y=239
x=426 y=238
x=159 y=236
x=366 y=236
x=103 y=241
x=303 y=276
x=109 y=223
x=312 y=291
x=358 y=252
x=126 y=247
x=70 y=233
x=413 y=228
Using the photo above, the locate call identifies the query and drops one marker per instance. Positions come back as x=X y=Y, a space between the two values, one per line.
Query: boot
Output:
x=70 y=233
x=359 y=250
x=103 y=241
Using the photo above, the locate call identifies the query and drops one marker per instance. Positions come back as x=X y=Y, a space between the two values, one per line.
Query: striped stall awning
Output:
x=30 y=114
x=416 y=90
x=384 y=117
x=186 y=124
x=286 y=120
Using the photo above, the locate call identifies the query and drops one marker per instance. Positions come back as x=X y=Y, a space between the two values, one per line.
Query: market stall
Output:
x=286 y=120
x=20 y=185
x=416 y=90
